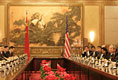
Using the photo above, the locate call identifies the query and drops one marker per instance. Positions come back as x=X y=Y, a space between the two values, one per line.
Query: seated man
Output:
x=112 y=53
x=11 y=50
x=6 y=52
x=86 y=52
x=99 y=52
x=104 y=53
x=115 y=57
x=94 y=52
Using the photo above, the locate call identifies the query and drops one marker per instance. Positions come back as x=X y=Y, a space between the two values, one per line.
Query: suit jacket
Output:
x=95 y=53
x=11 y=54
x=87 y=54
x=116 y=57
x=98 y=54
x=6 y=54
x=2 y=56
x=113 y=57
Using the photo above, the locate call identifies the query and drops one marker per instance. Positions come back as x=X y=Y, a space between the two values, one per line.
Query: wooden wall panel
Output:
x=91 y=23
x=111 y=24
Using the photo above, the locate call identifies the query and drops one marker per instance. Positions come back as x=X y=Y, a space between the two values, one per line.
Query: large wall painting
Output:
x=47 y=25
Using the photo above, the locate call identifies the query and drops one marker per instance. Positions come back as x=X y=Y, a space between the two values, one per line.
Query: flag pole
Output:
x=27 y=39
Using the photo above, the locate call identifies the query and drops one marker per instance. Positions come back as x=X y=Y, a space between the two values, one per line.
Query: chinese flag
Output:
x=27 y=39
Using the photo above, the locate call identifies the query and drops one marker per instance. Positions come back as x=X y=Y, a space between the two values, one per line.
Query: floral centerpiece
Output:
x=48 y=74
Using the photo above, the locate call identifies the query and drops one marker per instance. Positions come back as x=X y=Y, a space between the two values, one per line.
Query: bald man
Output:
x=112 y=54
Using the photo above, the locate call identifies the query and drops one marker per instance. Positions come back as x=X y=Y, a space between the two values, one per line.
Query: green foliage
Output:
x=57 y=24
x=56 y=74
x=61 y=79
x=42 y=72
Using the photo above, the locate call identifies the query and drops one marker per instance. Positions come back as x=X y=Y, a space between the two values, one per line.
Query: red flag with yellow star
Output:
x=27 y=39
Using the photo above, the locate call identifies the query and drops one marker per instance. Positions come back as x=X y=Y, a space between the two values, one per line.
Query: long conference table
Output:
x=81 y=71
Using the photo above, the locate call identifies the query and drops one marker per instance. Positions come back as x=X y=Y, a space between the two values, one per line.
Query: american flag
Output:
x=67 y=43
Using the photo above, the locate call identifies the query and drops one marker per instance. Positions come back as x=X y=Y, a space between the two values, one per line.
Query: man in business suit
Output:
x=86 y=52
x=115 y=59
x=11 y=51
x=99 y=52
x=112 y=53
x=94 y=52
x=6 y=52
x=104 y=53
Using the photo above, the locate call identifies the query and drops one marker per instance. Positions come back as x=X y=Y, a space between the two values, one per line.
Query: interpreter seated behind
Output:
x=86 y=52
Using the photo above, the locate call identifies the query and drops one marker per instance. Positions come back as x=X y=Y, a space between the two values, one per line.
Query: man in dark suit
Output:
x=104 y=53
x=86 y=52
x=6 y=52
x=94 y=52
x=99 y=52
x=11 y=50
x=115 y=55
x=112 y=54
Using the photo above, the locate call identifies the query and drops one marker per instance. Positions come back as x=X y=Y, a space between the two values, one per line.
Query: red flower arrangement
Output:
x=47 y=68
x=63 y=74
x=51 y=77
x=48 y=74
x=45 y=63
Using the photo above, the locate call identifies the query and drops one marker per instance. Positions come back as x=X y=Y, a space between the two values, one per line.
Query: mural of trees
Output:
x=43 y=33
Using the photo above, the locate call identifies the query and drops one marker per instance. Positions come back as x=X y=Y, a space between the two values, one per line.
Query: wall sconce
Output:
x=92 y=35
